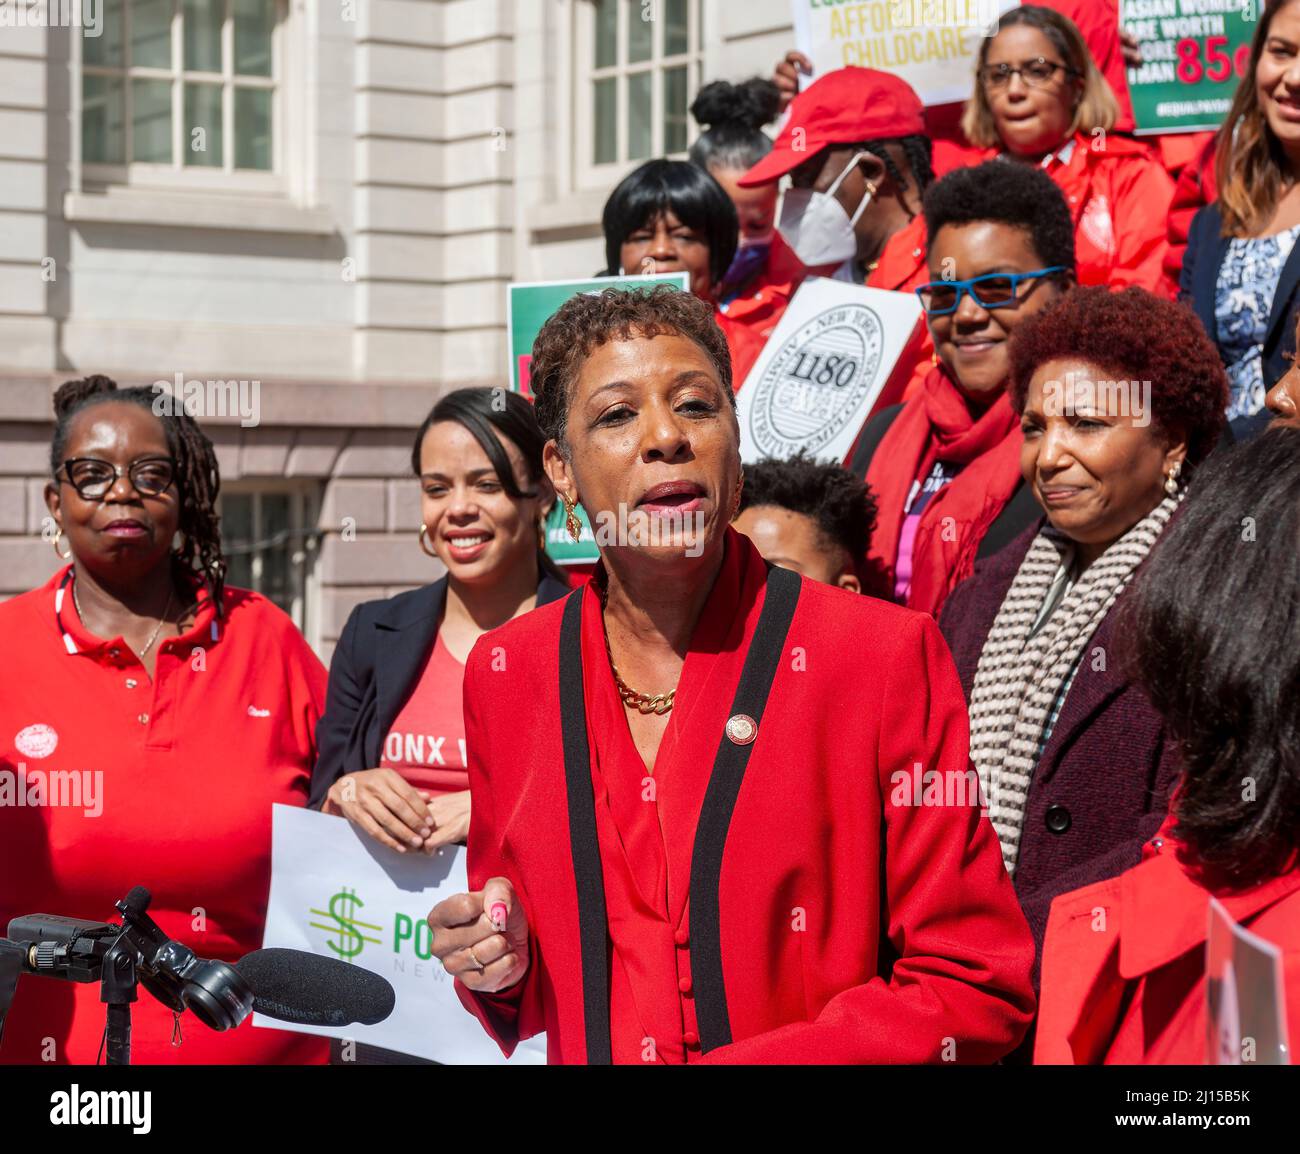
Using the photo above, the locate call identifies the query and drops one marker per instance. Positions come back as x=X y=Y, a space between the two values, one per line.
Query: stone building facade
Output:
x=327 y=199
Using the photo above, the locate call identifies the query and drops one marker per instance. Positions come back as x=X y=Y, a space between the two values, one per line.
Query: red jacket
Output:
x=1124 y=962
x=1196 y=187
x=902 y=267
x=748 y=319
x=1119 y=196
x=787 y=881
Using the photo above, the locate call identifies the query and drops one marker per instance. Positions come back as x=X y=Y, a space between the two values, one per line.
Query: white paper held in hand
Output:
x=338 y=893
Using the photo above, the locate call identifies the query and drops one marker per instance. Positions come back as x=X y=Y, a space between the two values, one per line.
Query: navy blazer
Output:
x=1102 y=784
x=1202 y=260
x=376 y=664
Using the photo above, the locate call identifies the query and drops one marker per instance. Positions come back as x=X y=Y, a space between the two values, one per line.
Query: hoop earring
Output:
x=424 y=543
x=571 y=521
x=61 y=556
x=541 y=534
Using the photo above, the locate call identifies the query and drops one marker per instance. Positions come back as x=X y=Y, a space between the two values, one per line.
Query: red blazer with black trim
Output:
x=911 y=947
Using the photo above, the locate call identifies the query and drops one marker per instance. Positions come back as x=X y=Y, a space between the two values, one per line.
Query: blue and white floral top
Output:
x=1243 y=299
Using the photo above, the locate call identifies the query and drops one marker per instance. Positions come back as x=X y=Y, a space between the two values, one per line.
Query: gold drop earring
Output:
x=571 y=521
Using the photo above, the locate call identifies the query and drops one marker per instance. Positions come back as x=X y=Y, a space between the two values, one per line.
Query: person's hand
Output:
x=482 y=938
x=786 y=76
x=383 y=804
x=450 y=813
x=1130 y=49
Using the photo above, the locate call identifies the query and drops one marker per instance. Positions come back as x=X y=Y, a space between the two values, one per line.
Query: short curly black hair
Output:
x=1139 y=337
x=838 y=502
x=587 y=321
x=1007 y=193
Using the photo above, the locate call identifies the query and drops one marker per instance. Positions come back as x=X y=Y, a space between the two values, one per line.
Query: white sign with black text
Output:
x=822 y=370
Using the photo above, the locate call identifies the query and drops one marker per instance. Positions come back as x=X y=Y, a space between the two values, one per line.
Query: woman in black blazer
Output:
x=1241 y=270
x=392 y=751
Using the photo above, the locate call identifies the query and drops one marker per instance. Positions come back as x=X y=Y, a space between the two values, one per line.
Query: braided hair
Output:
x=198 y=480
x=917 y=150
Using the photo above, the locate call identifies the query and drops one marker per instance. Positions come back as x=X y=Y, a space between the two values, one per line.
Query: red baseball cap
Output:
x=843 y=107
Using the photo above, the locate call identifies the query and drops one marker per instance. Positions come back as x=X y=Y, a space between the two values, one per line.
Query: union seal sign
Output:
x=831 y=358
x=816 y=381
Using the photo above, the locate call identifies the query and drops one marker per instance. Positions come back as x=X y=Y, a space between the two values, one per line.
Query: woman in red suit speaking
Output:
x=687 y=844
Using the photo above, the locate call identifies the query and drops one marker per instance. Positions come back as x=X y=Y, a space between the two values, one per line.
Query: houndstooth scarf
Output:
x=1019 y=679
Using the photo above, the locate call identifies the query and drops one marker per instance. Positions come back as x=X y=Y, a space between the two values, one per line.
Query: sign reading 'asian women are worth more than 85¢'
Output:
x=1193 y=54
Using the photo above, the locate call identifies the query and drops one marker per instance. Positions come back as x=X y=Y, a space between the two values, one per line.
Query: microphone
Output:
x=309 y=990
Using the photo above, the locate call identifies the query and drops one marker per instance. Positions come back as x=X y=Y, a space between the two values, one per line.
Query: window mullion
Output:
x=178 y=88
x=128 y=117
x=657 y=141
x=256 y=567
x=228 y=88
x=621 y=148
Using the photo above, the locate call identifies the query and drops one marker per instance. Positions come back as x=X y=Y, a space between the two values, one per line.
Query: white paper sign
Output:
x=1245 y=996
x=339 y=893
x=823 y=368
x=932 y=44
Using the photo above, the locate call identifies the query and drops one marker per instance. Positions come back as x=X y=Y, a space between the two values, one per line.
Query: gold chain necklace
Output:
x=643 y=702
x=156 y=629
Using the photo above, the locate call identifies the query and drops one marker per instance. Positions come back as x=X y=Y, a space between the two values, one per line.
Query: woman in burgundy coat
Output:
x=1217 y=625
x=1120 y=396
x=728 y=862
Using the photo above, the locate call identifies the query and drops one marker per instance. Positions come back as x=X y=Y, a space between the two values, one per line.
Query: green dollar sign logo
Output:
x=343 y=906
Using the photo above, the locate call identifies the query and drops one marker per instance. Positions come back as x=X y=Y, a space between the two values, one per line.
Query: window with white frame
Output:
x=640 y=63
x=270 y=542
x=182 y=89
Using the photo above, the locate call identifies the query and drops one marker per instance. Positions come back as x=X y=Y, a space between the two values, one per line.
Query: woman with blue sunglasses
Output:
x=944 y=465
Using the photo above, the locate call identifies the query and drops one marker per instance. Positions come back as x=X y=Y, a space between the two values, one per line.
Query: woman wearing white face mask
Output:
x=858 y=158
x=765 y=273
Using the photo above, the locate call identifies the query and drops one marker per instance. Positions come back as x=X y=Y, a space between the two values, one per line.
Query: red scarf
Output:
x=938 y=425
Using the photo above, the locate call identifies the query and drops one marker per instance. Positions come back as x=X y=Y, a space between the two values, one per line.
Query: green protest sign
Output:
x=1193 y=54
x=528 y=307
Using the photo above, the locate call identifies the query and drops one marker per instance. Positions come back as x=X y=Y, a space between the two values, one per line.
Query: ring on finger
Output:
x=474 y=958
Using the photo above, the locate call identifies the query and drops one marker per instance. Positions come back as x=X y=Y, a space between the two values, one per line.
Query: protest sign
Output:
x=932 y=44
x=337 y=892
x=528 y=307
x=835 y=357
x=1193 y=54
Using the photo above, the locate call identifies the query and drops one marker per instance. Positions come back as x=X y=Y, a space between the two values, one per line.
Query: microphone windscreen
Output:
x=296 y=986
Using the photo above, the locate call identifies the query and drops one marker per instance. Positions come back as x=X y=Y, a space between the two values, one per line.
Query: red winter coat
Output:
x=804 y=907
x=1129 y=987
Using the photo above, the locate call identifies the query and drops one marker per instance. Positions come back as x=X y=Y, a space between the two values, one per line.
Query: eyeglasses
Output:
x=93 y=478
x=996 y=290
x=1036 y=73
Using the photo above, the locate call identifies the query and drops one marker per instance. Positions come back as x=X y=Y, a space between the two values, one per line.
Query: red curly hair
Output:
x=1136 y=336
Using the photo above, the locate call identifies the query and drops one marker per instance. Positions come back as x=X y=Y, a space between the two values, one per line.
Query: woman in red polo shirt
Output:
x=182 y=709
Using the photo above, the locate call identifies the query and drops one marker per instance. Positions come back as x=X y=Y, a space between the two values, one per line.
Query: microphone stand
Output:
x=118 y=988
